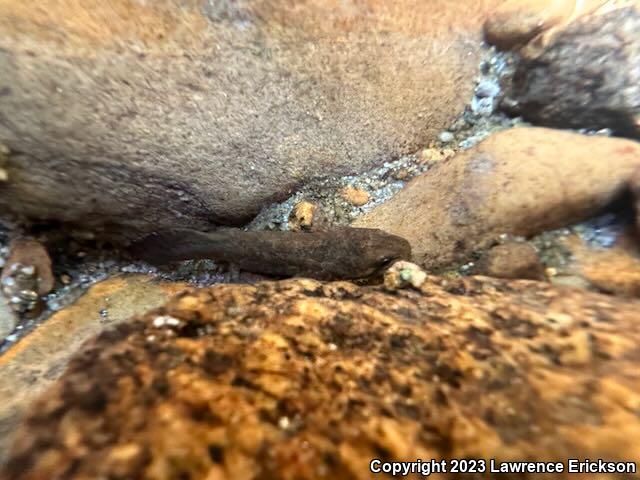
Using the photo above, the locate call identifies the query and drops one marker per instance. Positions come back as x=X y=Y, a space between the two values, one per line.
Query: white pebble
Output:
x=446 y=137
x=284 y=423
x=165 y=320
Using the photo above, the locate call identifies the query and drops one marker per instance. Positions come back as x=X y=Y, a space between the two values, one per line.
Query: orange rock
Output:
x=355 y=196
x=303 y=216
x=307 y=380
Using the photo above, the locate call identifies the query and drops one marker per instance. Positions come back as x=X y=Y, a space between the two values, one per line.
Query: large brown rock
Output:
x=586 y=77
x=148 y=114
x=307 y=380
x=521 y=181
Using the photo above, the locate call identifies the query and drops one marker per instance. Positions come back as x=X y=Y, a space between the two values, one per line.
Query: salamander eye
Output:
x=384 y=261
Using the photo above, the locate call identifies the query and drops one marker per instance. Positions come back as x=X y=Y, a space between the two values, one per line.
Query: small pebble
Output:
x=15 y=300
x=404 y=274
x=284 y=423
x=302 y=216
x=355 y=196
x=163 y=320
x=487 y=89
x=446 y=137
x=28 y=271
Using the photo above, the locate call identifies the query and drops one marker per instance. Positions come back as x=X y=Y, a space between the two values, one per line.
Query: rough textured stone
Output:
x=32 y=364
x=167 y=113
x=521 y=181
x=587 y=77
x=306 y=380
x=512 y=260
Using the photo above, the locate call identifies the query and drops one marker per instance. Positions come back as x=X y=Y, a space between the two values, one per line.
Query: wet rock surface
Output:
x=33 y=363
x=587 y=76
x=162 y=114
x=521 y=181
x=302 y=379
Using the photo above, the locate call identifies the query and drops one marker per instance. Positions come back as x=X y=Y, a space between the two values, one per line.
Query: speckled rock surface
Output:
x=586 y=77
x=521 y=181
x=167 y=113
x=307 y=380
x=32 y=364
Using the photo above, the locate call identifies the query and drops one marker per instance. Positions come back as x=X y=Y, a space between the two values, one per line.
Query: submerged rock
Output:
x=512 y=260
x=521 y=181
x=149 y=115
x=306 y=380
x=28 y=367
x=586 y=77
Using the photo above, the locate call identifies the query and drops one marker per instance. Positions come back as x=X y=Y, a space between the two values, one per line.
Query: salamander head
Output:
x=377 y=251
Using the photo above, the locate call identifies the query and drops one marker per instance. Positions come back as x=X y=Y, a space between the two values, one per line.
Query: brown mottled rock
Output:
x=512 y=260
x=161 y=114
x=587 y=75
x=307 y=380
x=520 y=181
x=355 y=196
x=32 y=364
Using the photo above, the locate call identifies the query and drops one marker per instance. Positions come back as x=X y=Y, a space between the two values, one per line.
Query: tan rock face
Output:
x=191 y=113
x=309 y=380
x=32 y=364
x=521 y=181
